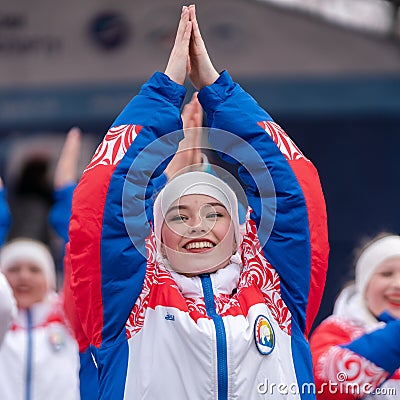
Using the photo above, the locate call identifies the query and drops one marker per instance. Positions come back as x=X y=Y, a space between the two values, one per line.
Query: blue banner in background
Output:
x=95 y=107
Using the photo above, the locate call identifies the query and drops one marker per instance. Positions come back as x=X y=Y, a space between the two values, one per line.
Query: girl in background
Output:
x=358 y=346
x=39 y=357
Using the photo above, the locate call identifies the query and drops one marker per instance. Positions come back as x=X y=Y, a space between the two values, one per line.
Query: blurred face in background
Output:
x=383 y=290
x=28 y=282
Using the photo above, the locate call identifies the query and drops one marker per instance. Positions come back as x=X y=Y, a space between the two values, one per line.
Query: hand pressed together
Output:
x=189 y=53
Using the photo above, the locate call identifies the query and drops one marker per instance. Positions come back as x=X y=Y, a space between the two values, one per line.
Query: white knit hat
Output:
x=372 y=257
x=24 y=249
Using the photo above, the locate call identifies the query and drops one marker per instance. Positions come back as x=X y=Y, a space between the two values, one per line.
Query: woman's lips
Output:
x=393 y=300
x=199 y=246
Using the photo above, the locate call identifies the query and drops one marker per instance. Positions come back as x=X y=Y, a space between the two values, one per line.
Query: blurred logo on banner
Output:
x=109 y=30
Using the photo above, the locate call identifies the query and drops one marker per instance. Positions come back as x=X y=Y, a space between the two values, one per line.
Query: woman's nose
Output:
x=198 y=224
x=396 y=280
x=24 y=274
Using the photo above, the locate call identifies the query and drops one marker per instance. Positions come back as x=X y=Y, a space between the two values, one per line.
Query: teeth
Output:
x=394 y=300
x=198 y=245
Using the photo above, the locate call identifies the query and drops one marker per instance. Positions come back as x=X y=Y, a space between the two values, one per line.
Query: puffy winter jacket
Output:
x=239 y=333
x=39 y=356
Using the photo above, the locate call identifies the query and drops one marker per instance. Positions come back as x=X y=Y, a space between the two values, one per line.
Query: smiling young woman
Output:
x=176 y=299
x=39 y=355
x=383 y=290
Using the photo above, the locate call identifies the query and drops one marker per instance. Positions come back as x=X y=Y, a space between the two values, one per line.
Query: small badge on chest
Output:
x=57 y=338
x=264 y=335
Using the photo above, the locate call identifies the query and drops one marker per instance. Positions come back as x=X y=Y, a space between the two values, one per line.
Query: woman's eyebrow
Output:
x=215 y=204
x=184 y=207
x=178 y=207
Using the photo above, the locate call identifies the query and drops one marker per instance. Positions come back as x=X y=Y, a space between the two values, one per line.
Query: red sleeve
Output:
x=308 y=179
x=340 y=373
x=307 y=176
x=69 y=305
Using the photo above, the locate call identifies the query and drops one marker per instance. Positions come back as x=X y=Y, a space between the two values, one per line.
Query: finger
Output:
x=185 y=150
x=67 y=166
x=72 y=143
x=195 y=102
x=195 y=26
x=186 y=115
x=194 y=98
x=196 y=134
x=177 y=63
x=182 y=27
x=196 y=112
x=197 y=143
x=187 y=34
x=192 y=12
x=188 y=150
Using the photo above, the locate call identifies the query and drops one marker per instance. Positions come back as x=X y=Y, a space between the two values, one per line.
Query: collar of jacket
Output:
x=224 y=281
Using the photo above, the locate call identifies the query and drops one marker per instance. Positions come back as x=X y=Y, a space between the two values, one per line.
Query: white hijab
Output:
x=195 y=182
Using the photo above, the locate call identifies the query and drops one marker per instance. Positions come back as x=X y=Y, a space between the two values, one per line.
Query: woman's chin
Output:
x=198 y=266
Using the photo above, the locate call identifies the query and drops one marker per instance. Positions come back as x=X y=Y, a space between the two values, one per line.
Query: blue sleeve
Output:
x=382 y=347
x=88 y=376
x=60 y=212
x=5 y=217
x=112 y=207
x=273 y=191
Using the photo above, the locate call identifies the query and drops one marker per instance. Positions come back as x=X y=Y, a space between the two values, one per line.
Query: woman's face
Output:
x=197 y=235
x=383 y=290
x=28 y=283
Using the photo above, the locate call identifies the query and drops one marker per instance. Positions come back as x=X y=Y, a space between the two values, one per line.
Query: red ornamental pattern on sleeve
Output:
x=282 y=140
x=341 y=366
x=156 y=274
x=115 y=145
x=257 y=270
x=136 y=318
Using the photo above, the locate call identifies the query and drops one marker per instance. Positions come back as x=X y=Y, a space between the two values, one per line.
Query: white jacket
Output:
x=39 y=357
x=226 y=335
x=8 y=308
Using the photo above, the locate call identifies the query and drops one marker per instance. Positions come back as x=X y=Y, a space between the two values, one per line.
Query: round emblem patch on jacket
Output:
x=57 y=339
x=264 y=335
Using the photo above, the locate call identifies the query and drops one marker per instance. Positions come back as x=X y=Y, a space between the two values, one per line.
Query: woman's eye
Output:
x=177 y=218
x=214 y=215
x=386 y=274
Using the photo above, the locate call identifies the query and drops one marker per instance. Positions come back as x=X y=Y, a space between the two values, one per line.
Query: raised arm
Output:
x=65 y=180
x=282 y=186
x=113 y=201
